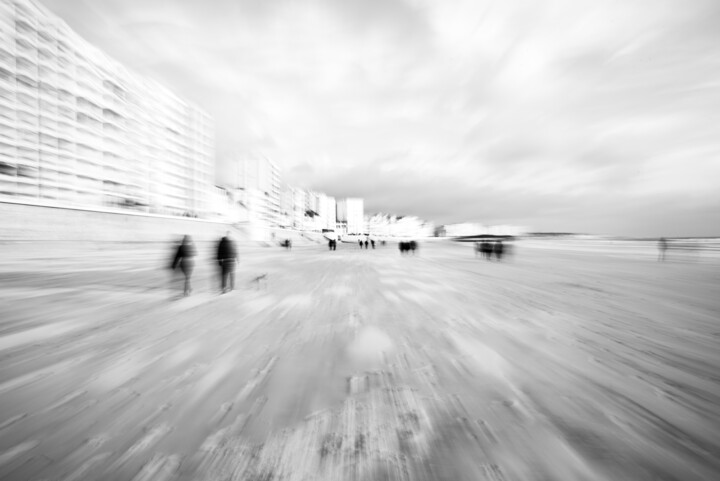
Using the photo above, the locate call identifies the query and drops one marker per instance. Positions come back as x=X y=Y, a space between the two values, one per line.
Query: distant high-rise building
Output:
x=385 y=225
x=322 y=208
x=260 y=178
x=78 y=128
x=286 y=205
x=351 y=212
x=328 y=212
x=298 y=207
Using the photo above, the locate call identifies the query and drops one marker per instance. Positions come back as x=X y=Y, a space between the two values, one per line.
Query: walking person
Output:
x=662 y=247
x=486 y=249
x=498 y=250
x=183 y=258
x=227 y=259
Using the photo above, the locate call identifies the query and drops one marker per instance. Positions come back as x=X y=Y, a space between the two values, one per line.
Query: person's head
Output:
x=187 y=240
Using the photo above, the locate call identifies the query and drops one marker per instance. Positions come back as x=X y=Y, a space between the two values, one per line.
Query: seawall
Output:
x=26 y=222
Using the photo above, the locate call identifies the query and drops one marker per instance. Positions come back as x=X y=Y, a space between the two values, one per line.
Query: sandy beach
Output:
x=590 y=362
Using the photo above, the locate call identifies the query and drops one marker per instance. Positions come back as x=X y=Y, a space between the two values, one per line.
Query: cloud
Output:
x=571 y=114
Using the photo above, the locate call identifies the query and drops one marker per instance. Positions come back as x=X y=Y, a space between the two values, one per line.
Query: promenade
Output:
x=554 y=364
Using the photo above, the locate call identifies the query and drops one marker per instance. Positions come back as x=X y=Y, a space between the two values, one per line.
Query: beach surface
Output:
x=564 y=361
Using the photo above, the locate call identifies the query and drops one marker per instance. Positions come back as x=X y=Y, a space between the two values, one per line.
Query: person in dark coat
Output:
x=498 y=249
x=662 y=248
x=227 y=259
x=183 y=258
x=486 y=248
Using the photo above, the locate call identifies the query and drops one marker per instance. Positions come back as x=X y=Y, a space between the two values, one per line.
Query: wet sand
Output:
x=555 y=364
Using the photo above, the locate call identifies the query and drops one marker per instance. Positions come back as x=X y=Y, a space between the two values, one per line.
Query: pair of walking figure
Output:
x=226 y=257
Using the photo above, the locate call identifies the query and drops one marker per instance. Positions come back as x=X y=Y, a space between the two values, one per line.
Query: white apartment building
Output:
x=260 y=178
x=77 y=128
x=298 y=207
x=350 y=211
x=328 y=212
x=323 y=209
x=286 y=205
x=385 y=225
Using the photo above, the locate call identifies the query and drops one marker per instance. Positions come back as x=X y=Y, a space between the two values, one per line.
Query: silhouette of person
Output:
x=662 y=247
x=498 y=249
x=486 y=248
x=227 y=259
x=366 y=243
x=360 y=243
x=372 y=243
x=183 y=258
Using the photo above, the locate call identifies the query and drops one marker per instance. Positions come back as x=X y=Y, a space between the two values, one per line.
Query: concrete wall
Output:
x=23 y=222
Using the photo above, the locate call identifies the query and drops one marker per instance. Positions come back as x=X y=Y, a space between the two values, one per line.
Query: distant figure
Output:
x=372 y=243
x=183 y=258
x=332 y=244
x=498 y=250
x=366 y=243
x=227 y=259
x=288 y=244
x=486 y=249
x=360 y=243
x=662 y=247
x=407 y=247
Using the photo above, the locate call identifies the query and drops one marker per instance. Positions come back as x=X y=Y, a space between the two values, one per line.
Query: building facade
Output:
x=260 y=178
x=328 y=212
x=350 y=211
x=385 y=225
x=78 y=128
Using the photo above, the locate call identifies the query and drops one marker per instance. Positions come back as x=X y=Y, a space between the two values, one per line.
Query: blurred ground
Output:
x=557 y=364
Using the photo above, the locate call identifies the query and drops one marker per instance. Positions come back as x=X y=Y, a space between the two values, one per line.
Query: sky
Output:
x=598 y=117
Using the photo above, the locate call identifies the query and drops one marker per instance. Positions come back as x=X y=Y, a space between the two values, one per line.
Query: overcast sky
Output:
x=561 y=115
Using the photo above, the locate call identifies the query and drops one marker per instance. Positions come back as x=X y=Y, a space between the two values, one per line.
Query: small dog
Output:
x=261 y=278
